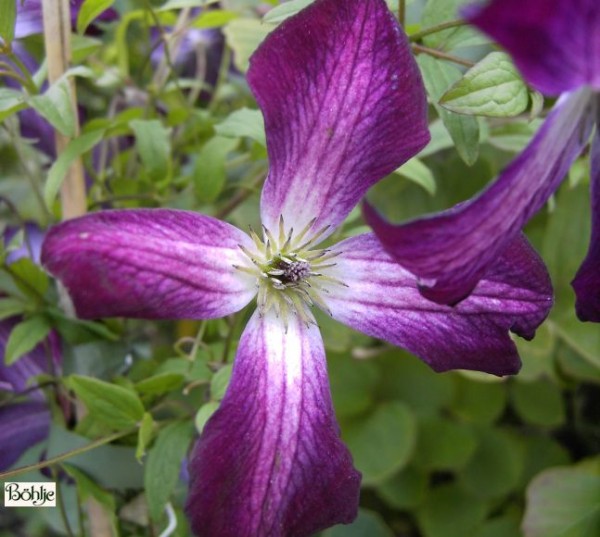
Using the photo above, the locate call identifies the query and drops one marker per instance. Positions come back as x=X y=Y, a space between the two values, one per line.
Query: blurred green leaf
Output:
x=219 y=382
x=243 y=122
x=87 y=489
x=8 y=9
x=564 y=502
x=382 y=441
x=164 y=462
x=244 y=36
x=56 y=106
x=353 y=383
x=116 y=406
x=154 y=146
x=539 y=403
x=215 y=18
x=159 y=384
x=440 y=11
x=284 y=11
x=501 y=526
x=367 y=524
x=111 y=466
x=495 y=467
x=419 y=174
x=456 y=448
x=405 y=490
x=56 y=174
x=29 y=277
x=11 y=101
x=464 y=130
x=209 y=170
x=493 y=88
x=450 y=511
x=514 y=136
x=145 y=435
x=477 y=401
x=204 y=413
x=89 y=10
x=541 y=452
x=10 y=307
x=24 y=337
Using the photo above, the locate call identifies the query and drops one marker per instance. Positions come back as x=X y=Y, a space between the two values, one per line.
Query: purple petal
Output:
x=587 y=281
x=555 y=43
x=150 y=263
x=23 y=425
x=32 y=242
x=344 y=105
x=452 y=250
x=270 y=460
x=382 y=300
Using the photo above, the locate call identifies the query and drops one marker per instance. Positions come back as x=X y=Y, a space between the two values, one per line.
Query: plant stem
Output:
x=437 y=28
x=241 y=195
x=28 y=80
x=61 y=505
x=420 y=49
x=402 y=12
x=67 y=455
x=57 y=40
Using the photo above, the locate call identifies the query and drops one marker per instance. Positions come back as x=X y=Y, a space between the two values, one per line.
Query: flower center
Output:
x=290 y=275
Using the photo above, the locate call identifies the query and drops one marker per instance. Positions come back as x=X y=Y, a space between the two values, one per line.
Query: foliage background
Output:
x=442 y=455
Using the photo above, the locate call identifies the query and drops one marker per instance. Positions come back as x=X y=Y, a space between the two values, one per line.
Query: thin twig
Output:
x=420 y=49
x=402 y=12
x=241 y=196
x=435 y=29
x=67 y=455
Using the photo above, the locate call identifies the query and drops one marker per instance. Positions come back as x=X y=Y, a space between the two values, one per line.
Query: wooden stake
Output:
x=57 y=40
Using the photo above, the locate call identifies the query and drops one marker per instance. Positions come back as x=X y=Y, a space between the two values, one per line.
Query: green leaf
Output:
x=564 y=502
x=89 y=10
x=159 y=384
x=284 y=11
x=209 y=170
x=215 y=18
x=145 y=434
x=87 y=489
x=440 y=11
x=8 y=11
x=57 y=172
x=496 y=466
x=382 y=441
x=11 y=101
x=367 y=524
x=243 y=122
x=405 y=490
x=111 y=466
x=204 y=413
x=219 y=382
x=115 y=406
x=353 y=383
x=180 y=4
x=24 y=337
x=539 y=403
x=418 y=173
x=464 y=130
x=29 y=277
x=493 y=88
x=10 y=307
x=453 y=453
x=243 y=37
x=450 y=511
x=164 y=462
x=154 y=146
x=477 y=401
x=56 y=105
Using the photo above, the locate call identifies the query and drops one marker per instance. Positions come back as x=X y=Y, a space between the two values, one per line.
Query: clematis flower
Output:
x=556 y=45
x=26 y=420
x=344 y=105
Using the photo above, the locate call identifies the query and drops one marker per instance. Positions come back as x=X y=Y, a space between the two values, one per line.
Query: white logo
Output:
x=29 y=494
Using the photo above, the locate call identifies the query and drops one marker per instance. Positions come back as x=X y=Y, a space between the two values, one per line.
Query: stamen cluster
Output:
x=291 y=278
